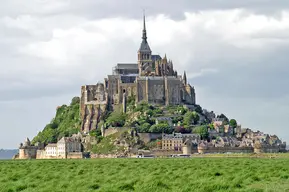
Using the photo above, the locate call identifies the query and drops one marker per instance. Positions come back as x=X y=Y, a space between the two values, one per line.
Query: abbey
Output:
x=152 y=79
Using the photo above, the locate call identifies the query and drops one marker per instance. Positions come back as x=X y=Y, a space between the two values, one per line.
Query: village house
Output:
x=175 y=141
x=65 y=148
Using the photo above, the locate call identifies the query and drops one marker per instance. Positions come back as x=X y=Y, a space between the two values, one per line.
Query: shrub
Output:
x=116 y=119
x=159 y=128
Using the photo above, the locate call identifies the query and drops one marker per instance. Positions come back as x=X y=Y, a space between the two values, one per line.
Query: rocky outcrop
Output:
x=93 y=106
x=91 y=116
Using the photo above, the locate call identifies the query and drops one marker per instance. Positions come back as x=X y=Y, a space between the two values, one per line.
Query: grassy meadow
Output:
x=153 y=175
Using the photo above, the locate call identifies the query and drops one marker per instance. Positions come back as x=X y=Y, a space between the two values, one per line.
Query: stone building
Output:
x=176 y=141
x=27 y=150
x=151 y=79
x=65 y=148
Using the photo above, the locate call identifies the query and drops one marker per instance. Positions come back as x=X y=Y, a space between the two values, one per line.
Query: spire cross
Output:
x=144 y=34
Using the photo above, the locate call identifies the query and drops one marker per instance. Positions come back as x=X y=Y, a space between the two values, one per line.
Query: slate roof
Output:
x=156 y=57
x=51 y=145
x=144 y=46
x=127 y=66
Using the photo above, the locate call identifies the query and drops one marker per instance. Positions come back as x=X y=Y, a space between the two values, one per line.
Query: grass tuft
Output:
x=94 y=187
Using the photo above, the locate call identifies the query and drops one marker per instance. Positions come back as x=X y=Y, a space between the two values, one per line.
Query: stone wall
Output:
x=226 y=149
x=267 y=150
x=91 y=116
x=111 y=130
x=72 y=155
x=156 y=90
x=141 y=90
x=27 y=153
x=164 y=153
x=75 y=155
x=147 y=137
x=128 y=88
x=95 y=156
x=174 y=87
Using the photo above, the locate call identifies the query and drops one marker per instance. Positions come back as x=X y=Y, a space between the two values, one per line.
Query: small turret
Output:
x=185 y=78
x=26 y=142
x=165 y=60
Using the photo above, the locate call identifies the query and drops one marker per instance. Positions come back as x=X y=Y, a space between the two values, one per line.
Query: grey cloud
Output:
x=133 y=8
x=34 y=86
x=176 y=9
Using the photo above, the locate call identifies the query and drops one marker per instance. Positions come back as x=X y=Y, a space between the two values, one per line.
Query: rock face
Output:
x=93 y=105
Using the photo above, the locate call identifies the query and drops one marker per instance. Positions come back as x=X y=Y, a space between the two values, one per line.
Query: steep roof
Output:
x=144 y=46
x=156 y=57
x=51 y=145
x=127 y=66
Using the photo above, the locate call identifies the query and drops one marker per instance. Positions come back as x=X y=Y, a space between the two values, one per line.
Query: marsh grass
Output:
x=195 y=174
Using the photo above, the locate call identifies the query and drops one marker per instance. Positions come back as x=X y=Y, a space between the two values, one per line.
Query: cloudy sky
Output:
x=234 y=52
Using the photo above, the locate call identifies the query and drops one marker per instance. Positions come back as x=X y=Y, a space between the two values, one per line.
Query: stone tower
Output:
x=144 y=54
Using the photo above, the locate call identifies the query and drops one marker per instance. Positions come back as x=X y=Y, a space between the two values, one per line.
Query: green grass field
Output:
x=153 y=175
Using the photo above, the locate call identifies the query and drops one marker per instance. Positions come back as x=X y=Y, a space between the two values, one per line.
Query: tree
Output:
x=116 y=119
x=191 y=116
x=75 y=100
x=181 y=110
x=144 y=128
x=161 y=127
x=65 y=123
x=233 y=123
x=199 y=109
x=182 y=129
x=202 y=131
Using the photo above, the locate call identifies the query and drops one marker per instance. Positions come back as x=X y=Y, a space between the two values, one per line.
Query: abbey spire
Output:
x=144 y=31
x=144 y=47
x=144 y=53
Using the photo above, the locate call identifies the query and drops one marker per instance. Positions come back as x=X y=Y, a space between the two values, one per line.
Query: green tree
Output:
x=233 y=123
x=75 y=100
x=191 y=117
x=181 y=110
x=65 y=123
x=144 y=128
x=116 y=119
x=202 y=131
x=161 y=127
x=199 y=109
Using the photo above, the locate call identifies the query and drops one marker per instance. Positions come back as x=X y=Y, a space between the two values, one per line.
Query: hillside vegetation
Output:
x=147 y=175
x=141 y=116
x=65 y=123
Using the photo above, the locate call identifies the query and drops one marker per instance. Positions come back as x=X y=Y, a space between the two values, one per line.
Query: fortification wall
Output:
x=27 y=153
x=267 y=150
x=164 y=153
x=226 y=149
x=75 y=155
x=111 y=130
x=95 y=156
x=147 y=137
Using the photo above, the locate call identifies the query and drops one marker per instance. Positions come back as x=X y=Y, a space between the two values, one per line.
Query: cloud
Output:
x=235 y=57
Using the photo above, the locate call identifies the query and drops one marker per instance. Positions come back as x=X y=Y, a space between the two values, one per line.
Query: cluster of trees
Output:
x=116 y=119
x=65 y=123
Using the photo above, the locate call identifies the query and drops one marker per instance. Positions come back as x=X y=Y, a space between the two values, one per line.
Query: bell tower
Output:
x=144 y=54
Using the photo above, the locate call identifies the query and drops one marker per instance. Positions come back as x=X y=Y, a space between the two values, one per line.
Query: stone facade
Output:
x=93 y=103
x=176 y=141
x=27 y=150
x=152 y=79
x=65 y=148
